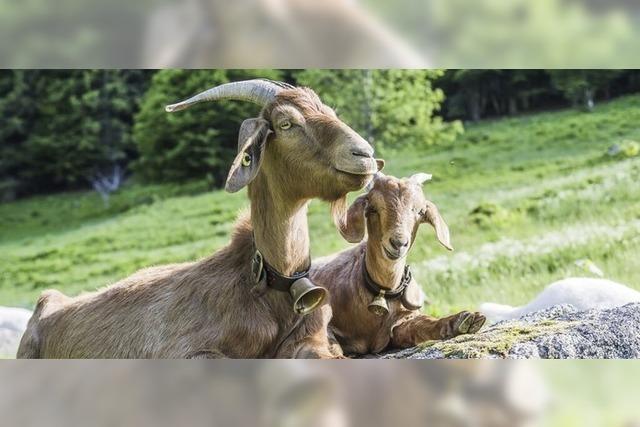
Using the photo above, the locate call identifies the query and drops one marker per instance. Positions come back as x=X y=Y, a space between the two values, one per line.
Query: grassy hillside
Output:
x=524 y=197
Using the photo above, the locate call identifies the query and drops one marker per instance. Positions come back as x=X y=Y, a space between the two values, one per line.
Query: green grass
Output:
x=543 y=191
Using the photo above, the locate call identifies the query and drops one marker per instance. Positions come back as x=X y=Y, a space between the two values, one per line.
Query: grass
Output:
x=525 y=198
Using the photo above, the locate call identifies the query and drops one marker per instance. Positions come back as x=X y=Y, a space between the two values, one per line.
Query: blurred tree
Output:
x=17 y=114
x=388 y=107
x=66 y=126
x=474 y=94
x=580 y=86
x=198 y=142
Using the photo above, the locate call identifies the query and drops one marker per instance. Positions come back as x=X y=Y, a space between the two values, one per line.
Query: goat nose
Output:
x=398 y=243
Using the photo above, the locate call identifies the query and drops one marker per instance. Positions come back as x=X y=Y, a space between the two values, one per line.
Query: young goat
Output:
x=375 y=302
x=229 y=304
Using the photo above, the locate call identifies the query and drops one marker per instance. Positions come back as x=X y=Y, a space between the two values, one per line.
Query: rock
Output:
x=13 y=322
x=559 y=332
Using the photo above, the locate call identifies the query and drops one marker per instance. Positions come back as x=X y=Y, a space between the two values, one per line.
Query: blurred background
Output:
x=328 y=33
x=535 y=171
x=481 y=393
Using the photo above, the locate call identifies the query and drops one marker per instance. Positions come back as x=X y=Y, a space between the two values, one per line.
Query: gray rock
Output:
x=13 y=322
x=559 y=332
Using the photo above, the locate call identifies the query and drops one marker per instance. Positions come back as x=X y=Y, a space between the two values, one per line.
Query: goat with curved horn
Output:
x=238 y=301
x=258 y=91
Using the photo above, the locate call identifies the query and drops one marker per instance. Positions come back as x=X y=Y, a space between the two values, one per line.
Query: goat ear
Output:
x=380 y=164
x=432 y=216
x=353 y=229
x=251 y=142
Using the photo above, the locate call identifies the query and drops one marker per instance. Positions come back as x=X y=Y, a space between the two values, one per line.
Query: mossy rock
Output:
x=558 y=332
x=495 y=341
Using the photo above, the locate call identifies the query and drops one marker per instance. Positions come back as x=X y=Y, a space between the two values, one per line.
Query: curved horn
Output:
x=258 y=91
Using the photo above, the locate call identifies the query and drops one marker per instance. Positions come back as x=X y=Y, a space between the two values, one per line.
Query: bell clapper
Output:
x=379 y=305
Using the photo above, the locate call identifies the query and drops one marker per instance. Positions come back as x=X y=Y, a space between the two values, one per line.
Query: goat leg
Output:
x=421 y=328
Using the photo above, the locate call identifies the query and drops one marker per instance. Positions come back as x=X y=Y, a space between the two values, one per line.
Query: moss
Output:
x=496 y=341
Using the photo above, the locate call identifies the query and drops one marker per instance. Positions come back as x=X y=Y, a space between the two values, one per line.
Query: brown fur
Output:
x=393 y=209
x=210 y=308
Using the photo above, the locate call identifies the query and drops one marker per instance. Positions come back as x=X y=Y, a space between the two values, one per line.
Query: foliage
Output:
x=390 y=108
x=475 y=94
x=580 y=86
x=65 y=126
x=195 y=143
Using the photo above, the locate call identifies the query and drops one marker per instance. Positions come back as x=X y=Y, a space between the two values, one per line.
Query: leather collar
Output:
x=274 y=279
x=376 y=289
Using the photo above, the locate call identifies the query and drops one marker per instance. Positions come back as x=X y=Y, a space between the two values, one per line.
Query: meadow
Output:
x=525 y=198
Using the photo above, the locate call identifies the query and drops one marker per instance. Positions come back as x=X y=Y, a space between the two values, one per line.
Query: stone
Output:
x=559 y=332
x=13 y=322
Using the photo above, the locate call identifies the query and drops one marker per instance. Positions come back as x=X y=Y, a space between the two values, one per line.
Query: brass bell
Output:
x=379 y=305
x=306 y=296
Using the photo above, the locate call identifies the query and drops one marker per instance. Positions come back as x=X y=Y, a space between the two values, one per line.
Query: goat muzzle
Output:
x=306 y=296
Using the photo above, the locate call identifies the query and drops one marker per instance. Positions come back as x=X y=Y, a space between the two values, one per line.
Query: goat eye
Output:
x=421 y=212
x=285 y=125
x=246 y=159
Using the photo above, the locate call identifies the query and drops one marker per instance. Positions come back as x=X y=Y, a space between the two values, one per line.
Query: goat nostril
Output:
x=398 y=244
x=360 y=154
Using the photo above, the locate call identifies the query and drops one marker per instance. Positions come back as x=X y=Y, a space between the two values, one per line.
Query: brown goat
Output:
x=393 y=209
x=216 y=307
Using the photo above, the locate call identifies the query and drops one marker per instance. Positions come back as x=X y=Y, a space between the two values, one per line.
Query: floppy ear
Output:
x=353 y=230
x=251 y=142
x=432 y=216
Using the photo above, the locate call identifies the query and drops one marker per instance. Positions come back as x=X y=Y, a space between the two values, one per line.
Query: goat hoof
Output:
x=468 y=323
x=478 y=322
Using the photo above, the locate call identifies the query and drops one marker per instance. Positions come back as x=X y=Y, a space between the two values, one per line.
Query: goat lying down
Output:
x=584 y=293
x=236 y=302
x=393 y=210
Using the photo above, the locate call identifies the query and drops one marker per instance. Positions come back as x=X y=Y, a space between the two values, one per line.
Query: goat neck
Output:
x=279 y=221
x=385 y=272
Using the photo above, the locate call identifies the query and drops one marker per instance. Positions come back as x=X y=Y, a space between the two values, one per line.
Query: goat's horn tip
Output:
x=173 y=108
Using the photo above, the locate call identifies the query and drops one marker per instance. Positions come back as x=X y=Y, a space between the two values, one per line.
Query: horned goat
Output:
x=228 y=304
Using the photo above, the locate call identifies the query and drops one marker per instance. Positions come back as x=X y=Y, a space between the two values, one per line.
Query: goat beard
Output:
x=339 y=214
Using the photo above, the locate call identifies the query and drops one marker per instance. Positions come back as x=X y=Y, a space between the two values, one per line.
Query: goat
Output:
x=224 y=305
x=584 y=293
x=393 y=209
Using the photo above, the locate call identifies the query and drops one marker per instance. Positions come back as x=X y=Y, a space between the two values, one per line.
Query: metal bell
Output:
x=379 y=305
x=306 y=296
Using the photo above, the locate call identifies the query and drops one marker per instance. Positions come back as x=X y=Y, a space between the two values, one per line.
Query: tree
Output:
x=66 y=126
x=388 y=107
x=195 y=143
x=580 y=86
